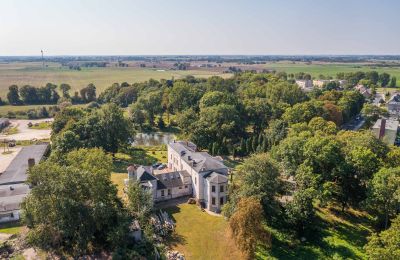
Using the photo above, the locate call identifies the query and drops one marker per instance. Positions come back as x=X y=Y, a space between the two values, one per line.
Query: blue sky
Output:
x=130 y=27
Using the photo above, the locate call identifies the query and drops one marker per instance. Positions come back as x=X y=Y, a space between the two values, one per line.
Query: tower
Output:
x=42 y=59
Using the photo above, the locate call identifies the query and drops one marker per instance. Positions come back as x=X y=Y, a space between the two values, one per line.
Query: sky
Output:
x=206 y=27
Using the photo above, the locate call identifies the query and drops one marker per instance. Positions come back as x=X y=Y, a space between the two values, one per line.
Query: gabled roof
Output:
x=171 y=180
x=144 y=174
x=216 y=177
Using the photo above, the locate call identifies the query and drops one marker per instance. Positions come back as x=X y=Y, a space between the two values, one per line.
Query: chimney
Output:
x=31 y=162
x=382 y=129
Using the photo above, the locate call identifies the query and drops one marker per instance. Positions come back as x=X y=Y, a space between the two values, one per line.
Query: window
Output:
x=185 y=186
x=212 y=188
x=221 y=188
x=221 y=201
x=213 y=201
x=169 y=191
x=180 y=187
x=162 y=193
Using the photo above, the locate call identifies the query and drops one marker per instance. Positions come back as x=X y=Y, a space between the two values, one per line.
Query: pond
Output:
x=153 y=139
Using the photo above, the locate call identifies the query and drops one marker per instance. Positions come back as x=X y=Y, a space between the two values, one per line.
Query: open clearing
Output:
x=22 y=73
x=199 y=235
x=23 y=132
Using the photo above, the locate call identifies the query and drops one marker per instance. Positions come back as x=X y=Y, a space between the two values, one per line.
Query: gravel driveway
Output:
x=25 y=133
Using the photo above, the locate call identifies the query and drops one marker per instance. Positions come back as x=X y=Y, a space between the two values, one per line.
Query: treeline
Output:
x=49 y=94
x=369 y=79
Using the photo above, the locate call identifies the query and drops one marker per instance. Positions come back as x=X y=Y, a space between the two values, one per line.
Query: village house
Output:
x=188 y=173
x=305 y=84
x=320 y=82
x=386 y=130
x=366 y=92
x=393 y=104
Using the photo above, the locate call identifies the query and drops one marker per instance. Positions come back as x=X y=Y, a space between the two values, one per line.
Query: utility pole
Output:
x=42 y=59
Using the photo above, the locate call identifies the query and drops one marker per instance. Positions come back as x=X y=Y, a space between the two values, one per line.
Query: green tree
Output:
x=74 y=208
x=393 y=82
x=384 y=193
x=13 y=95
x=258 y=177
x=65 y=88
x=384 y=79
x=140 y=202
x=385 y=245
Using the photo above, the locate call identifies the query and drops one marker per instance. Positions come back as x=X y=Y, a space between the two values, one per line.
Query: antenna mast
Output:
x=42 y=59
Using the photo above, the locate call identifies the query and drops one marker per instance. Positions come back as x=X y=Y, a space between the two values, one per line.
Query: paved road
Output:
x=354 y=124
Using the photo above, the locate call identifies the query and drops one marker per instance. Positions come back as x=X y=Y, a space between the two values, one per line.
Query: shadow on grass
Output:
x=325 y=241
x=174 y=239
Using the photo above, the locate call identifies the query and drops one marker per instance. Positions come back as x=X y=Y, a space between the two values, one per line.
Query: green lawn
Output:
x=337 y=236
x=199 y=235
x=11 y=228
x=10 y=130
x=142 y=155
x=118 y=179
x=22 y=73
x=41 y=126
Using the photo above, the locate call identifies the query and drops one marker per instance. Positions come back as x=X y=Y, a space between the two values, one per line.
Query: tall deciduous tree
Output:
x=247 y=228
x=384 y=193
x=385 y=245
x=74 y=207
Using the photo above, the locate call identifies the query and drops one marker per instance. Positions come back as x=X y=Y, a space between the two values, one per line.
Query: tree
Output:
x=140 y=201
x=303 y=112
x=258 y=177
x=385 y=245
x=393 y=157
x=384 y=193
x=138 y=117
x=300 y=211
x=183 y=96
x=65 y=88
x=393 y=82
x=74 y=207
x=384 y=79
x=13 y=95
x=247 y=228
x=371 y=113
x=114 y=129
x=90 y=93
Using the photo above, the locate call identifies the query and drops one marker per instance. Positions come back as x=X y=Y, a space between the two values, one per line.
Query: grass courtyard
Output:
x=199 y=235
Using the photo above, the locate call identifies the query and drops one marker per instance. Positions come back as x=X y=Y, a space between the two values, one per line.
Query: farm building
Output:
x=12 y=181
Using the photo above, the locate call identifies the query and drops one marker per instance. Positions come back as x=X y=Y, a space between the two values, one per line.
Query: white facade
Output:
x=188 y=172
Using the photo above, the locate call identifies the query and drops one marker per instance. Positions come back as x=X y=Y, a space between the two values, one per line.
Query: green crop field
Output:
x=32 y=73
x=330 y=69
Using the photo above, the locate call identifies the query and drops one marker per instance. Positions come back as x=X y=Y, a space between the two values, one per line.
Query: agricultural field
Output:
x=32 y=73
x=329 y=69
